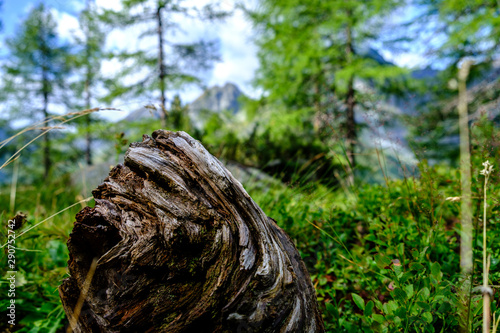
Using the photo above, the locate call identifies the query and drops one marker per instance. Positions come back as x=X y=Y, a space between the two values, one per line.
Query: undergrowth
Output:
x=41 y=254
x=383 y=258
x=388 y=259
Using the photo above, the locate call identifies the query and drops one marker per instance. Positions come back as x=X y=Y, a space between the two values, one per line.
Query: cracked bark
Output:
x=181 y=247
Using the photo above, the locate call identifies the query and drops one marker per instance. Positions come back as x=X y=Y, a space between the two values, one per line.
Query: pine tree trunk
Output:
x=350 y=104
x=88 y=139
x=47 y=163
x=161 y=66
x=88 y=133
x=181 y=247
x=88 y=94
x=351 y=123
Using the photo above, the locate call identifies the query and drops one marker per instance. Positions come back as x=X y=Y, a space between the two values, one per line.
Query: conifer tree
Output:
x=453 y=31
x=310 y=55
x=179 y=117
x=35 y=72
x=172 y=64
x=88 y=63
x=462 y=29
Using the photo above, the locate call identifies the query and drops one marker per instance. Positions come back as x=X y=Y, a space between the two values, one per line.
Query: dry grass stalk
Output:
x=46 y=129
x=83 y=295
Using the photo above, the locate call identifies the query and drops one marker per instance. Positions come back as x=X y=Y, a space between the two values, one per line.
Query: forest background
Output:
x=348 y=136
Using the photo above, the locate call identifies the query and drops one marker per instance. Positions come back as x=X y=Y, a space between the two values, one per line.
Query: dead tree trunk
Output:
x=181 y=247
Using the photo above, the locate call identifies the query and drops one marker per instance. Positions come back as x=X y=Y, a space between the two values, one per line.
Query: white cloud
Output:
x=110 y=67
x=238 y=52
x=410 y=60
x=406 y=59
x=67 y=25
x=109 y=4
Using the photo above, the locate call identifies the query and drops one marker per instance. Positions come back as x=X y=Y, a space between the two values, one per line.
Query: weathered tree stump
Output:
x=181 y=247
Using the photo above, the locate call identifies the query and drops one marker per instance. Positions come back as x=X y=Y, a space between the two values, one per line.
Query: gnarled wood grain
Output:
x=181 y=247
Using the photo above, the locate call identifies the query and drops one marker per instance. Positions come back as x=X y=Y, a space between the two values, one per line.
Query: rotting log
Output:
x=181 y=247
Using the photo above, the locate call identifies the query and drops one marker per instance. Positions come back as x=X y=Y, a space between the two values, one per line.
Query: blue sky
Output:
x=14 y=12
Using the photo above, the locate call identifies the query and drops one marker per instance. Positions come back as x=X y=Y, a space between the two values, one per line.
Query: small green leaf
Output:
x=401 y=313
x=401 y=249
x=409 y=290
x=382 y=261
x=399 y=295
x=427 y=317
x=406 y=276
x=379 y=305
x=424 y=306
x=378 y=318
x=444 y=307
x=369 y=309
x=358 y=300
x=333 y=310
x=398 y=270
x=422 y=254
x=371 y=237
x=426 y=293
x=436 y=270
x=417 y=267
x=322 y=280
x=393 y=306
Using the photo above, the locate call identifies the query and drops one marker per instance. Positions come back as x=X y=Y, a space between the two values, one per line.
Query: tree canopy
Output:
x=311 y=54
x=36 y=72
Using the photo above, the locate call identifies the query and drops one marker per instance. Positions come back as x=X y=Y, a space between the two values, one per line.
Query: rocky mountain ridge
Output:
x=214 y=99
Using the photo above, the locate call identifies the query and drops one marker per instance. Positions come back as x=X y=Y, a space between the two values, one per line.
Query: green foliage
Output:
x=41 y=253
x=86 y=63
x=469 y=28
x=37 y=65
x=279 y=142
x=178 y=116
x=89 y=56
x=386 y=260
x=36 y=73
x=383 y=258
x=311 y=52
x=454 y=31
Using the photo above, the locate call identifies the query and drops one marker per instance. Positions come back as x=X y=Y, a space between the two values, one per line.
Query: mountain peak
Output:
x=218 y=99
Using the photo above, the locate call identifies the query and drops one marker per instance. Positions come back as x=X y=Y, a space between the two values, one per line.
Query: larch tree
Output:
x=88 y=63
x=450 y=32
x=35 y=71
x=310 y=55
x=173 y=64
x=462 y=29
